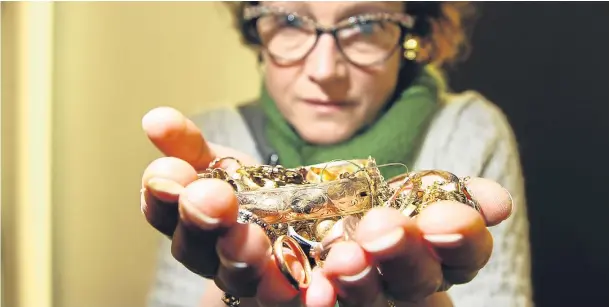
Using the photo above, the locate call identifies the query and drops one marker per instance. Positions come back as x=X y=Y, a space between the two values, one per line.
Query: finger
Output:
x=353 y=274
x=459 y=237
x=321 y=292
x=223 y=151
x=177 y=136
x=207 y=209
x=243 y=253
x=494 y=200
x=162 y=182
x=410 y=271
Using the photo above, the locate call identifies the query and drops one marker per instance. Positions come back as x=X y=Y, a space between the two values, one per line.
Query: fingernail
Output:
x=143 y=205
x=356 y=277
x=510 y=195
x=229 y=264
x=510 y=205
x=165 y=186
x=445 y=240
x=201 y=219
x=385 y=241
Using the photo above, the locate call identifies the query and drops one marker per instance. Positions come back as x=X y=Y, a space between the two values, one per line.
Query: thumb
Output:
x=177 y=136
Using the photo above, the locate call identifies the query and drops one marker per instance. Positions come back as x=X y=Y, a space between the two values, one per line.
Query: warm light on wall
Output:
x=31 y=102
x=80 y=77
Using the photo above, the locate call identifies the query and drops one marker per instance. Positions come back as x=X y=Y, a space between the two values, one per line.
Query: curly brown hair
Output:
x=442 y=26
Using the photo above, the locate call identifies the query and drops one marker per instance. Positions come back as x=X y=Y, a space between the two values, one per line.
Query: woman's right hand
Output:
x=200 y=215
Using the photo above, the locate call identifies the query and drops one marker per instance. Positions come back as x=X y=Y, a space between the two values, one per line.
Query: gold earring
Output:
x=411 y=47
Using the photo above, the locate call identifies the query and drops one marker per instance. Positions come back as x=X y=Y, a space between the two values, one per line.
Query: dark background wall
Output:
x=546 y=64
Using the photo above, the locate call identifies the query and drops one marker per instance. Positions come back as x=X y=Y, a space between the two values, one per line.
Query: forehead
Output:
x=334 y=11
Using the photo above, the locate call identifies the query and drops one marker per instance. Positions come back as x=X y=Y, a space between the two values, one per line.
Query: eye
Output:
x=362 y=29
x=366 y=28
x=289 y=20
x=370 y=27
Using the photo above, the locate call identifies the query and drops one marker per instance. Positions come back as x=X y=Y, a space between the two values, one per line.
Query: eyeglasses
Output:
x=364 y=40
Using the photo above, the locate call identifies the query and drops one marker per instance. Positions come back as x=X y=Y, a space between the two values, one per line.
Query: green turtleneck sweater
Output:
x=392 y=138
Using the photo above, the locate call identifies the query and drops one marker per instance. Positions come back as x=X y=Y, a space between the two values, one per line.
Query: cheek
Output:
x=375 y=85
x=280 y=82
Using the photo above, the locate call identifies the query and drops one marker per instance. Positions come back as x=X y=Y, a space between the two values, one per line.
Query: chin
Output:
x=325 y=134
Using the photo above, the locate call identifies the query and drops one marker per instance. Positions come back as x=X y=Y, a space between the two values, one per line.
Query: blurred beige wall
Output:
x=111 y=63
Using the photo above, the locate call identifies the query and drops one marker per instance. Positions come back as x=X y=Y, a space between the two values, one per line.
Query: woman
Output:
x=342 y=81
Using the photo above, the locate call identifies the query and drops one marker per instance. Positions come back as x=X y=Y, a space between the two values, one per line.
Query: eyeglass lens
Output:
x=289 y=38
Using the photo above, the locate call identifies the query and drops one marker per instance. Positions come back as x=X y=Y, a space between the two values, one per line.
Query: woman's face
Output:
x=323 y=96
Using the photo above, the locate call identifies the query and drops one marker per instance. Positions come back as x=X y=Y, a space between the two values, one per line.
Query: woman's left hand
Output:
x=446 y=244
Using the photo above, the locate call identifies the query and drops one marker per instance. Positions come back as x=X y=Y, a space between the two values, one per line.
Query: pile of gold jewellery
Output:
x=298 y=206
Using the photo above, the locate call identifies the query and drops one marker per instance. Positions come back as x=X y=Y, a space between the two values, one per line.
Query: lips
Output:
x=319 y=102
x=327 y=107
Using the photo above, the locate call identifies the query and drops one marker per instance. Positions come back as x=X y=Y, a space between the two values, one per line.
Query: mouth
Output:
x=327 y=106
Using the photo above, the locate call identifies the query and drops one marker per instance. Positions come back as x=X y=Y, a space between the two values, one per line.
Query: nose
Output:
x=324 y=64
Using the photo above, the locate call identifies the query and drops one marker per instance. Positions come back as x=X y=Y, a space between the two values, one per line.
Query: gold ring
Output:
x=321 y=250
x=216 y=161
x=304 y=282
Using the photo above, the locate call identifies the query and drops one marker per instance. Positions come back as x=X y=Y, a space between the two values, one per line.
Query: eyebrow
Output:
x=295 y=6
x=363 y=7
x=352 y=9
